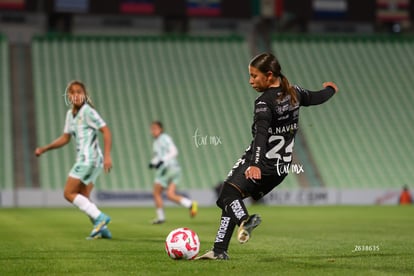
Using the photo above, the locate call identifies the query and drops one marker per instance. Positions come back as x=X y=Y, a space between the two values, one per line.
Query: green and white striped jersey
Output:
x=84 y=127
x=164 y=150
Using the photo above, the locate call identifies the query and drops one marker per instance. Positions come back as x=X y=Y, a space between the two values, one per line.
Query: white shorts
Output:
x=87 y=173
x=167 y=175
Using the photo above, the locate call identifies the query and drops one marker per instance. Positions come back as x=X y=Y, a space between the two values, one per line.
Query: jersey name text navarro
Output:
x=283 y=129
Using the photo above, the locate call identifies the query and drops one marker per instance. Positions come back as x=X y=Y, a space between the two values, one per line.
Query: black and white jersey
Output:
x=275 y=124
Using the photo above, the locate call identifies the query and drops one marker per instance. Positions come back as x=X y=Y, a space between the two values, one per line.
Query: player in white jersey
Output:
x=83 y=123
x=168 y=173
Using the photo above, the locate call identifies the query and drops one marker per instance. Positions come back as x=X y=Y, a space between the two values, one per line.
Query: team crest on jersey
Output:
x=79 y=120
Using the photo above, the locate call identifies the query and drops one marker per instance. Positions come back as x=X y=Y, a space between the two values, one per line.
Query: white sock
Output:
x=86 y=206
x=160 y=214
x=186 y=202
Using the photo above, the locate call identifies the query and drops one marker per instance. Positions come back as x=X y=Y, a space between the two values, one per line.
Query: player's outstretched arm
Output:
x=107 y=140
x=59 y=142
x=317 y=97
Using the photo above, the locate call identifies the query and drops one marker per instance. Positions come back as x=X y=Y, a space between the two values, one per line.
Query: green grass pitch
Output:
x=334 y=240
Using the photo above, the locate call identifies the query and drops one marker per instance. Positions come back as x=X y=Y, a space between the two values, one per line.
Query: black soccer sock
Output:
x=233 y=213
x=224 y=233
x=231 y=202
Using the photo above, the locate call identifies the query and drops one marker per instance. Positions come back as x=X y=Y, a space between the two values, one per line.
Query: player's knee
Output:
x=68 y=196
x=219 y=203
x=157 y=190
x=170 y=195
x=227 y=195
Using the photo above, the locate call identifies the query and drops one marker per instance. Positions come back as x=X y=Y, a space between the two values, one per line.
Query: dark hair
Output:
x=266 y=62
x=158 y=123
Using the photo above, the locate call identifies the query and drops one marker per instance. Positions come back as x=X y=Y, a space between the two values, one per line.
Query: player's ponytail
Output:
x=287 y=89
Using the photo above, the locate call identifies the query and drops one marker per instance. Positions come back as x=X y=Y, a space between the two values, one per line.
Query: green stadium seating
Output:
x=6 y=163
x=193 y=85
x=359 y=139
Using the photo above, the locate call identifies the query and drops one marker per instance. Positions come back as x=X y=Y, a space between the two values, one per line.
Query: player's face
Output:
x=77 y=95
x=155 y=130
x=258 y=80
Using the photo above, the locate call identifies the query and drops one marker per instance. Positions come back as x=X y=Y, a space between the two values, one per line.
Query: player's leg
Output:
x=173 y=177
x=179 y=199
x=159 y=205
x=231 y=201
x=74 y=193
x=222 y=240
x=235 y=189
x=86 y=191
x=257 y=191
x=229 y=196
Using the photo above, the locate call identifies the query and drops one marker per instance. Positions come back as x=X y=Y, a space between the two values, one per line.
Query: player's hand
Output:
x=107 y=164
x=253 y=172
x=159 y=164
x=331 y=84
x=155 y=166
x=39 y=151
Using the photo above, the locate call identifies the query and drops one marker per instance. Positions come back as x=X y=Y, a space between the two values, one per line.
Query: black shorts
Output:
x=257 y=188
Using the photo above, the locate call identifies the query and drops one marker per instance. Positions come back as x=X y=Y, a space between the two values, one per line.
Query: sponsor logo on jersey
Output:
x=280 y=109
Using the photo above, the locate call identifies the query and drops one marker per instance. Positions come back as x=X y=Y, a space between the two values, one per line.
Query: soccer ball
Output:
x=182 y=243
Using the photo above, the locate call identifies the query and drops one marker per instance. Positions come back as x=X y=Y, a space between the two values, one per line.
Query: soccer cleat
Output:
x=211 y=255
x=158 y=221
x=101 y=221
x=194 y=209
x=246 y=228
x=105 y=233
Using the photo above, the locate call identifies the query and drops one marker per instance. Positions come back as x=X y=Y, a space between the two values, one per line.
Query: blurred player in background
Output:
x=266 y=162
x=83 y=123
x=167 y=174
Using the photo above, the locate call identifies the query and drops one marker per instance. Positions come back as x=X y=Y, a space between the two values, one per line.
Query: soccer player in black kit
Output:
x=263 y=165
